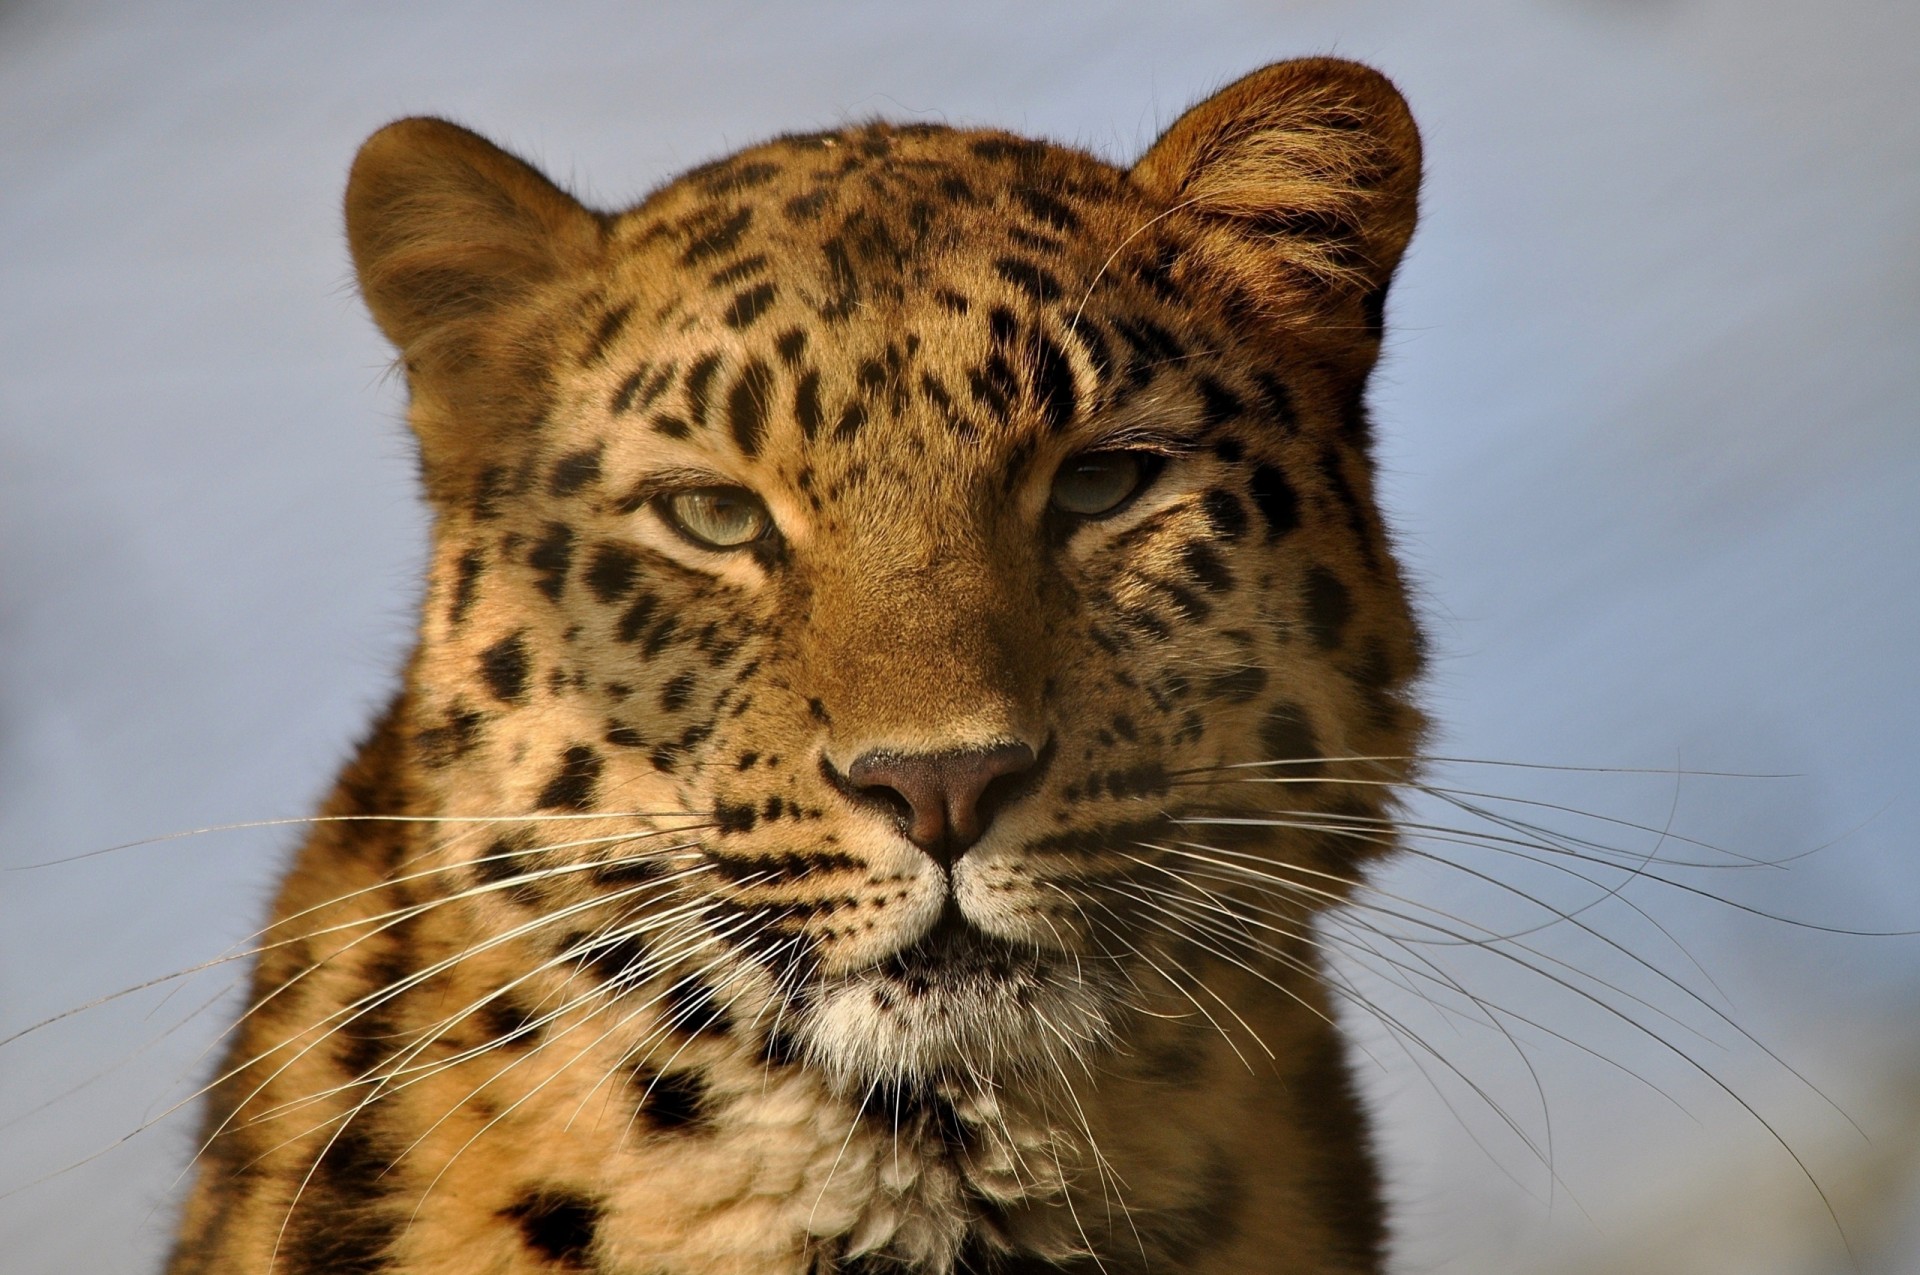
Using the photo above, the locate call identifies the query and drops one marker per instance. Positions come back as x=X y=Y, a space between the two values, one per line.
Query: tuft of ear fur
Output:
x=1308 y=174
x=456 y=242
x=447 y=228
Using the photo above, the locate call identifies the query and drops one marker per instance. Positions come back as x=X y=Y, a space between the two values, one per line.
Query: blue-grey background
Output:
x=1649 y=412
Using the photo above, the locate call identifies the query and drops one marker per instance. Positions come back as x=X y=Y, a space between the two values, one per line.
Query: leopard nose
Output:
x=944 y=800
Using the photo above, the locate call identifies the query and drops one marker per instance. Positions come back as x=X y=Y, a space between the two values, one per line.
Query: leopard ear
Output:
x=1307 y=176
x=448 y=231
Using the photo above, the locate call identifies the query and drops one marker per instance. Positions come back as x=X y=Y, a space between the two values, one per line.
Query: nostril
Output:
x=943 y=801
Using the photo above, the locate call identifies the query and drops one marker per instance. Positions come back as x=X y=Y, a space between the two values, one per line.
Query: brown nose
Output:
x=944 y=800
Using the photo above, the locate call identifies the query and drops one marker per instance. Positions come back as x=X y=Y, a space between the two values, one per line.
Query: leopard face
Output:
x=890 y=557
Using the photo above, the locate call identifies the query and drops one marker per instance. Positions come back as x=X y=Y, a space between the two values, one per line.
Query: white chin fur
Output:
x=868 y=1027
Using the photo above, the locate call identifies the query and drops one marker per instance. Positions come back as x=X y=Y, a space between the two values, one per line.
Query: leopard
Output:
x=910 y=651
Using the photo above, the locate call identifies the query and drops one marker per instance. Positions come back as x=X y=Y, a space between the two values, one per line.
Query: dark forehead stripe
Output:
x=610 y=327
x=747 y=405
x=700 y=386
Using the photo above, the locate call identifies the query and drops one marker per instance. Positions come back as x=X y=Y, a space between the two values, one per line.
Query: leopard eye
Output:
x=717 y=517
x=1096 y=483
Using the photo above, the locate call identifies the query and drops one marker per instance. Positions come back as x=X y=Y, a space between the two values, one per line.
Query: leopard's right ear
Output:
x=448 y=232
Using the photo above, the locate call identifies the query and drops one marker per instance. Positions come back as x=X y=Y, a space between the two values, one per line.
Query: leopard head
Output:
x=901 y=593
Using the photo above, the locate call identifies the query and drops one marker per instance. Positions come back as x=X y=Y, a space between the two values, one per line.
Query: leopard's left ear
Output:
x=1308 y=175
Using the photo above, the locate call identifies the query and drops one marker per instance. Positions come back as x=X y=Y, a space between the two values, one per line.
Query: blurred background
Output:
x=1650 y=419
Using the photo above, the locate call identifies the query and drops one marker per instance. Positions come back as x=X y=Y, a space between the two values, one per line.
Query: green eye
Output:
x=717 y=517
x=1095 y=483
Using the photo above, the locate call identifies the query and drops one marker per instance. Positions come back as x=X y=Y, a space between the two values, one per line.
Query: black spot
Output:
x=440 y=746
x=1328 y=607
x=1225 y=514
x=675 y=694
x=688 y=1005
x=747 y=406
x=791 y=345
x=574 y=784
x=1336 y=476
x=843 y=281
x=611 y=573
x=615 y=960
x=488 y=486
x=656 y=386
x=1149 y=340
x=700 y=386
x=731 y=817
x=505 y=859
x=664 y=635
x=1279 y=401
x=717 y=239
x=1279 y=503
x=672 y=1099
x=341 y=1224
x=558 y=1224
x=739 y=270
x=1053 y=383
x=610 y=327
x=1374 y=674
x=999 y=148
x=1287 y=736
x=636 y=618
x=629 y=389
x=806 y=404
x=952 y=300
x=1204 y=565
x=1048 y=209
x=629 y=871
x=1155 y=270
x=1003 y=326
x=1029 y=277
x=733 y=176
x=550 y=559
x=1230 y=450
x=806 y=207
x=1087 y=333
x=505 y=1021
x=503 y=666
x=671 y=426
x=465 y=583
x=749 y=305
x=622 y=735
x=1218 y=403
x=852 y=417
x=574 y=471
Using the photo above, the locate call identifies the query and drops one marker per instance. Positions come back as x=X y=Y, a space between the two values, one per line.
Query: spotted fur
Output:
x=925 y=883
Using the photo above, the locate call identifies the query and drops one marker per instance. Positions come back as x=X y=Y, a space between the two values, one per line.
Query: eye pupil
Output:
x=1095 y=483
x=717 y=517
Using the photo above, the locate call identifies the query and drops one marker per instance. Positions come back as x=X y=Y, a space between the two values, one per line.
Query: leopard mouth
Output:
x=954 y=952
x=956 y=1002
